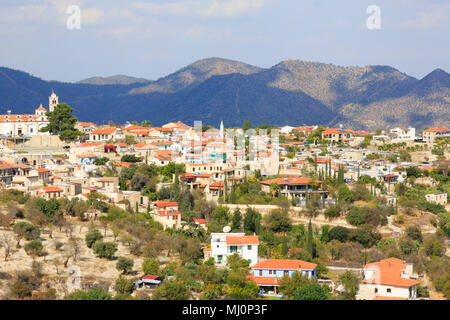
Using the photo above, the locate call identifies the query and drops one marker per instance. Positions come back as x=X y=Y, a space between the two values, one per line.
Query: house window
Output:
x=219 y=258
x=249 y=247
x=260 y=273
x=388 y=290
x=376 y=290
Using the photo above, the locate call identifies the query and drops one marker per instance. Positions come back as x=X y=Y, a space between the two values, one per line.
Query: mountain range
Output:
x=291 y=92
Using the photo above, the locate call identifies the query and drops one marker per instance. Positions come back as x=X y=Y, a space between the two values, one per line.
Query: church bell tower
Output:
x=52 y=101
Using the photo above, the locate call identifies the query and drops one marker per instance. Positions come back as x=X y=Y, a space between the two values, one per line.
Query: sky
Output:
x=153 y=38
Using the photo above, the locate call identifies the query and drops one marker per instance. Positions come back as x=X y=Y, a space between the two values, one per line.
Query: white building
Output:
x=403 y=134
x=388 y=279
x=226 y=244
x=26 y=124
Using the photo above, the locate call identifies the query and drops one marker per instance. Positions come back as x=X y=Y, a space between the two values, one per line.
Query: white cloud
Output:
x=203 y=8
x=232 y=7
x=436 y=17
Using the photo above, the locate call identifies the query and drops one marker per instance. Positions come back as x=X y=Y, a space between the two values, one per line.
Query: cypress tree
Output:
x=310 y=238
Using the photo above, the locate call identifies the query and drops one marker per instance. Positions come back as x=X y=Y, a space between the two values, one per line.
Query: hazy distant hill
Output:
x=196 y=73
x=117 y=79
x=291 y=92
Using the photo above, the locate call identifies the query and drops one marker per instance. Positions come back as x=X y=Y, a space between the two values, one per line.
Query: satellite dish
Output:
x=226 y=229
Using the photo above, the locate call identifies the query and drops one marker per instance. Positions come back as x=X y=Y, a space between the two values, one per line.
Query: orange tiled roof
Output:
x=52 y=189
x=295 y=180
x=269 y=281
x=104 y=131
x=388 y=272
x=242 y=240
x=167 y=204
x=285 y=264
x=388 y=298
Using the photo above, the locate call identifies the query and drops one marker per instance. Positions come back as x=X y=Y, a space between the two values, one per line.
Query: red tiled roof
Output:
x=285 y=264
x=41 y=170
x=150 y=277
x=166 y=204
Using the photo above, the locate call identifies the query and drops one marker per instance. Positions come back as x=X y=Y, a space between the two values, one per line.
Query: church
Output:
x=19 y=125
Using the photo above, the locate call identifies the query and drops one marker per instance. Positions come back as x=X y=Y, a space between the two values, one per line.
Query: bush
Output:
x=150 y=266
x=124 y=286
x=338 y=233
x=414 y=233
x=172 y=290
x=313 y=291
x=20 y=290
x=27 y=230
x=34 y=248
x=333 y=212
x=125 y=264
x=92 y=294
x=93 y=236
x=356 y=216
x=105 y=249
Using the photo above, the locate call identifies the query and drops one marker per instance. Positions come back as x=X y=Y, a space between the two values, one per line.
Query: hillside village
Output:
x=134 y=211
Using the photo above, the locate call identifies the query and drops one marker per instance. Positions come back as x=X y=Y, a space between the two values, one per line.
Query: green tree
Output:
x=124 y=286
x=92 y=294
x=62 y=123
x=150 y=266
x=246 y=125
x=356 y=216
x=105 y=249
x=338 y=233
x=236 y=220
x=34 y=248
x=92 y=236
x=350 y=283
x=172 y=290
x=252 y=221
x=312 y=291
x=125 y=265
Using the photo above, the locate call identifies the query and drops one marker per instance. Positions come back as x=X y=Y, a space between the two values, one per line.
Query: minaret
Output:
x=52 y=101
x=221 y=129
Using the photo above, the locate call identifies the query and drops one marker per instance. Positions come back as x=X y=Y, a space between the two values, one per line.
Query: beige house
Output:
x=439 y=198
x=430 y=135
x=167 y=214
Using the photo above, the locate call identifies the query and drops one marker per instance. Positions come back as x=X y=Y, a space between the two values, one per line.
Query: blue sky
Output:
x=152 y=38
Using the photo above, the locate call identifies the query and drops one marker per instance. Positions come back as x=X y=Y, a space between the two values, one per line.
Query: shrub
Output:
x=105 y=249
x=124 y=286
x=338 y=233
x=313 y=291
x=34 y=248
x=27 y=230
x=125 y=264
x=93 y=236
x=150 y=266
x=92 y=294
x=356 y=216
x=20 y=290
